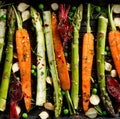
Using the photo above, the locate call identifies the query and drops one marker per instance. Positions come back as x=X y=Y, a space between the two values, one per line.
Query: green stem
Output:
x=88 y=18
x=19 y=19
x=70 y=103
x=111 y=18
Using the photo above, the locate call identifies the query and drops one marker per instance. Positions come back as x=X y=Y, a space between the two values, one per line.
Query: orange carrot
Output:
x=87 y=61
x=24 y=60
x=114 y=42
x=59 y=55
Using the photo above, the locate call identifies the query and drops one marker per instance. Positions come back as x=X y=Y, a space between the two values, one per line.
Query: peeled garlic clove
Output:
x=25 y=15
x=54 y=6
x=113 y=73
x=49 y=106
x=91 y=113
x=108 y=66
x=44 y=115
x=49 y=80
x=15 y=67
x=117 y=21
x=22 y=6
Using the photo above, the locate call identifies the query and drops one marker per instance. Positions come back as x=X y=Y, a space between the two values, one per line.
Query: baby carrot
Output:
x=24 y=60
x=114 y=42
x=87 y=61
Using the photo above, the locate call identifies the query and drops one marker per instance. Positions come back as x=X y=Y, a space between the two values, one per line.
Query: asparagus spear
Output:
x=101 y=37
x=41 y=60
x=75 y=55
x=52 y=62
x=3 y=13
x=8 y=59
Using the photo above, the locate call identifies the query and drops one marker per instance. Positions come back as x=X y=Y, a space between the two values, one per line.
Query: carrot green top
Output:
x=19 y=19
x=88 y=18
x=111 y=19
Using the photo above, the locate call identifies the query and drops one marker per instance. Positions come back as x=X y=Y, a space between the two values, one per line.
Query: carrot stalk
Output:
x=61 y=62
x=52 y=62
x=24 y=60
x=77 y=18
x=101 y=37
x=3 y=13
x=114 y=42
x=41 y=60
x=87 y=61
x=8 y=60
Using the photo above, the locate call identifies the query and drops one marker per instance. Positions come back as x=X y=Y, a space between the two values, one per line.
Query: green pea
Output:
x=25 y=115
x=70 y=14
x=63 y=92
x=34 y=74
x=96 y=85
x=32 y=71
x=3 y=16
x=94 y=91
x=97 y=8
x=66 y=54
x=74 y=8
x=41 y=6
x=104 y=113
x=107 y=48
x=65 y=111
x=34 y=67
x=109 y=53
x=106 y=53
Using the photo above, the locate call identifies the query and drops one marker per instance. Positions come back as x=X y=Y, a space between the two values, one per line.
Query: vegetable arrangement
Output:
x=34 y=71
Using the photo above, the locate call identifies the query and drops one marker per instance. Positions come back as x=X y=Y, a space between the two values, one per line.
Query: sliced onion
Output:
x=116 y=8
x=94 y=99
